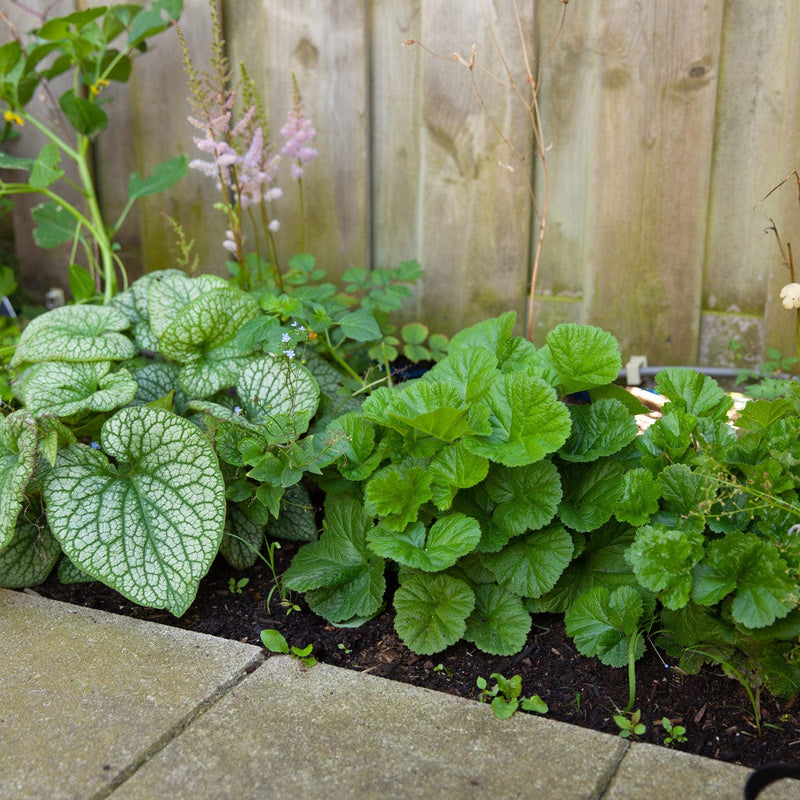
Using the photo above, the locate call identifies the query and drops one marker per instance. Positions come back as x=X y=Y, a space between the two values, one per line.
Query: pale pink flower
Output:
x=298 y=131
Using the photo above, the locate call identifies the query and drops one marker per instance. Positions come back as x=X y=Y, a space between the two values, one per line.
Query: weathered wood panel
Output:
x=755 y=146
x=646 y=198
x=396 y=145
x=474 y=213
x=325 y=43
x=666 y=124
x=159 y=130
x=567 y=105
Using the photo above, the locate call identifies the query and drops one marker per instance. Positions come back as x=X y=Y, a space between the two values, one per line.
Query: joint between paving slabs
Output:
x=176 y=730
x=611 y=776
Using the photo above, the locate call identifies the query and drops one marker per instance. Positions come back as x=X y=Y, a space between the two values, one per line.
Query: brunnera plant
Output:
x=110 y=459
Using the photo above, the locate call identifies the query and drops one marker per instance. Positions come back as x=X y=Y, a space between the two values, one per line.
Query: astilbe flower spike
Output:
x=298 y=132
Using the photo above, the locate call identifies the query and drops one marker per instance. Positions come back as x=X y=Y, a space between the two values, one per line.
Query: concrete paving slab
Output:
x=288 y=732
x=87 y=696
x=649 y=771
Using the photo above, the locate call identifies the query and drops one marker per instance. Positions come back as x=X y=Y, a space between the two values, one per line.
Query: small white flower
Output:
x=289 y=354
x=285 y=337
x=294 y=324
x=790 y=295
x=237 y=410
x=301 y=328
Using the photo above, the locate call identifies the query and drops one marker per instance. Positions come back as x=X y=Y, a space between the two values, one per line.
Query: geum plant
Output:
x=451 y=481
x=491 y=500
x=95 y=47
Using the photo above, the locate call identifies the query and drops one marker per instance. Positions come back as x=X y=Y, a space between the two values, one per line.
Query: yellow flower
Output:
x=98 y=87
x=790 y=295
x=10 y=116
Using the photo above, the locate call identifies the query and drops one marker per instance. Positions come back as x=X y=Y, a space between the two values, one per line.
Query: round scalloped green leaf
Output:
x=274 y=385
x=663 y=559
x=527 y=420
x=499 y=624
x=75 y=333
x=584 y=356
x=18 y=446
x=531 y=565
x=601 y=428
x=29 y=558
x=449 y=538
x=527 y=497
x=150 y=524
x=432 y=611
x=602 y=623
x=341 y=577
x=591 y=492
x=63 y=390
x=395 y=493
x=696 y=393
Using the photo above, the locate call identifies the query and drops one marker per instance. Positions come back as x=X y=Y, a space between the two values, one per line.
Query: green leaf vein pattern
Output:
x=150 y=524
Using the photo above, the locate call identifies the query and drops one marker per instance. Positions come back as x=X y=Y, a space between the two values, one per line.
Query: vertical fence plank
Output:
x=325 y=43
x=474 y=212
x=649 y=168
x=755 y=147
x=160 y=131
x=396 y=143
x=566 y=101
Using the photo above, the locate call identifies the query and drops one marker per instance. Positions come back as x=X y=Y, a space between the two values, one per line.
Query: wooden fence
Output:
x=666 y=123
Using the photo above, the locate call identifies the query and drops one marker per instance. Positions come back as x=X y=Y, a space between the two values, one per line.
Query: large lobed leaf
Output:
x=583 y=356
x=526 y=420
x=432 y=611
x=603 y=624
x=432 y=550
x=342 y=579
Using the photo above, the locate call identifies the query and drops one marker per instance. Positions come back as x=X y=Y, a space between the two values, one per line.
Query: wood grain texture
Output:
x=755 y=147
x=325 y=44
x=656 y=67
x=567 y=102
x=666 y=123
x=396 y=141
x=159 y=130
x=474 y=214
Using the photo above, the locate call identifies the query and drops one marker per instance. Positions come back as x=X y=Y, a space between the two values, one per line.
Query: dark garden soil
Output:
x=714 y=709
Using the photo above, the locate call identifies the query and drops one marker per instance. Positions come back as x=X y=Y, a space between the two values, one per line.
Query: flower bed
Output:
x=190 y=419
